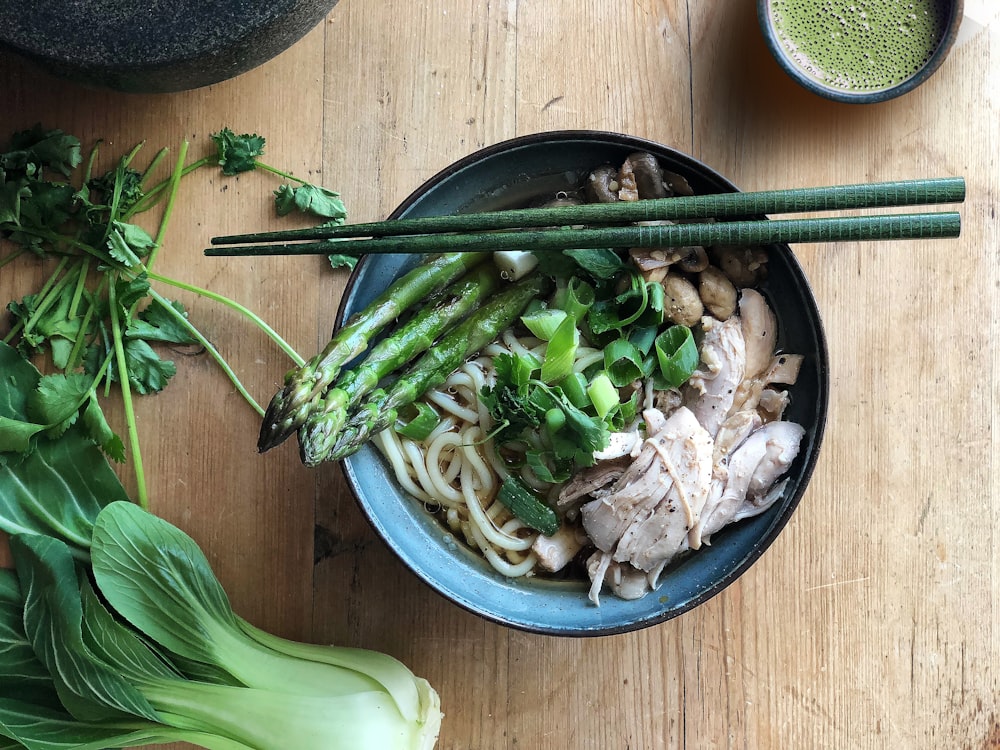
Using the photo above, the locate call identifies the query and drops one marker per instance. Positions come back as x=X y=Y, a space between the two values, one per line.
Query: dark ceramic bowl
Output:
x=511 y=174
x=883 y=43
x=154 y=47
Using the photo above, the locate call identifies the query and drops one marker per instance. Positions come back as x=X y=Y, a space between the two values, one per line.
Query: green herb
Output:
x=560 y=353
x=418 y=421
x=521 y=404
x=677 y=354
x=97 y=316
x=237 y=153
x=623 y=362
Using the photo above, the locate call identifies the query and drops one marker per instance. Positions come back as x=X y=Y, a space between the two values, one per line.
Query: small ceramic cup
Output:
x=860 y=51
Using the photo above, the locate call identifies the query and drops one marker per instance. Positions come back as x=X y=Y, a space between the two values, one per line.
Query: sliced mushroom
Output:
x=627 y=188
x=602 y=185
x=717 y=293
x=648 y=175
x=744 y=266
x=677 y=184
x=683 y=303
x=692 y=259
x=647 y=259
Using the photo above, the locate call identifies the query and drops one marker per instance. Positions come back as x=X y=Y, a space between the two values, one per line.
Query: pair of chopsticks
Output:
x=597 y=225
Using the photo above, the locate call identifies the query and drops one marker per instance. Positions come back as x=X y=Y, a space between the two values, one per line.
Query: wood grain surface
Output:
x=872 y=622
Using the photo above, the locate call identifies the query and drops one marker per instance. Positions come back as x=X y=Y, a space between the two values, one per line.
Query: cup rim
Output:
x=810 y=83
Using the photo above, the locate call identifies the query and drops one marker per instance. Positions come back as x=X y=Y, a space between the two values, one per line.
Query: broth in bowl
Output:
x=641 y=533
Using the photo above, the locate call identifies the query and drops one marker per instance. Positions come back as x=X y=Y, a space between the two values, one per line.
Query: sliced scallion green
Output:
x=543 y=323
x=622 y=362
x=418 y=423
x=677 y=354
x=603 y=394
x=561 y=351
x=574 y=386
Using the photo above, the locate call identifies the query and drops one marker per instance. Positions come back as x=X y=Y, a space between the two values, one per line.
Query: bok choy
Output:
x=115 y=632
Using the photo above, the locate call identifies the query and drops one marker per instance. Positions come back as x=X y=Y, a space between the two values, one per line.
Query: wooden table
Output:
x=872 y=622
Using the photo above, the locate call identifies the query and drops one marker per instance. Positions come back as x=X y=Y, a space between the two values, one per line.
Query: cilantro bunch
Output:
x=99 y=318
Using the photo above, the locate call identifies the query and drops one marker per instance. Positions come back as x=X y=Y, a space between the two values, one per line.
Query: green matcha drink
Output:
x=860 y=45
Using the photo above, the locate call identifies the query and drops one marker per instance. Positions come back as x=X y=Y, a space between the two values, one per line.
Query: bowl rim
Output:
x=817 y=430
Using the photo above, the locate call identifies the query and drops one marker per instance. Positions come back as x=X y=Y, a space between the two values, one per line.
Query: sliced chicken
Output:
x=733 y=433
x=687 y=457
x=591 y=480
x=711 y=390
x=624 y=581
x=645 y=519
x=753 y=468
x=760 y=331
x=555 y=552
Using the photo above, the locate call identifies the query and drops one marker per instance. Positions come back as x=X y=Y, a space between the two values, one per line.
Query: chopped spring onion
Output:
x=576 y=298
x=561 y=351
x=544 y=322
x=603 y=394
x=677 y=354
x=418 y=423
x=555 y=419
x=622 y=362
x=574 y=386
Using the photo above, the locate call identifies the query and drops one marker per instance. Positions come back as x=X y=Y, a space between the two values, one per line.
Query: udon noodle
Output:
x=456 y=472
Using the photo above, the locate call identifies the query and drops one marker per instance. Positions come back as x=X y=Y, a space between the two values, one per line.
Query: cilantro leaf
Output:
x=129 y=182
x=36 y=148
x=146 y=371
x=127 y=243
x=131 y=291
x=57 y=399
x=11 y=195
x=98 y=429
x=343 y=261
x=50 y=205
x=310 y=199
x=237 y=153
x=601 y=264
x=155 y=323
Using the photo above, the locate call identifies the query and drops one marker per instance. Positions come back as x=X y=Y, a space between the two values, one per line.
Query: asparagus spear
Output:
x=303 y=386
x=381 y=408
x=324 y=423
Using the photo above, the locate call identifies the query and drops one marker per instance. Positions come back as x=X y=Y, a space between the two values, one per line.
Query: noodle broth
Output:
x=520 y=173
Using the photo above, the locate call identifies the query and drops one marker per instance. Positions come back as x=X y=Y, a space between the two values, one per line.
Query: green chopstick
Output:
x=678 y=208
x=740 y=232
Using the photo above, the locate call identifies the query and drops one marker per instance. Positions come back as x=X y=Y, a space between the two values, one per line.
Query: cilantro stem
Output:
x=280 y=173
x=89 y=170
x=126 y=388
x=72 y=242
x=219 y=359
x=153 y=164
x=153 y=195
x=175 y=181
x=81 y=282
x=13 y=256
x=74 y=355
x=47 y=297
x=232 y=304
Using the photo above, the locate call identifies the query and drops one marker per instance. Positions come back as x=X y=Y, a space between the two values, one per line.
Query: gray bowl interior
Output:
x=513 y=174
